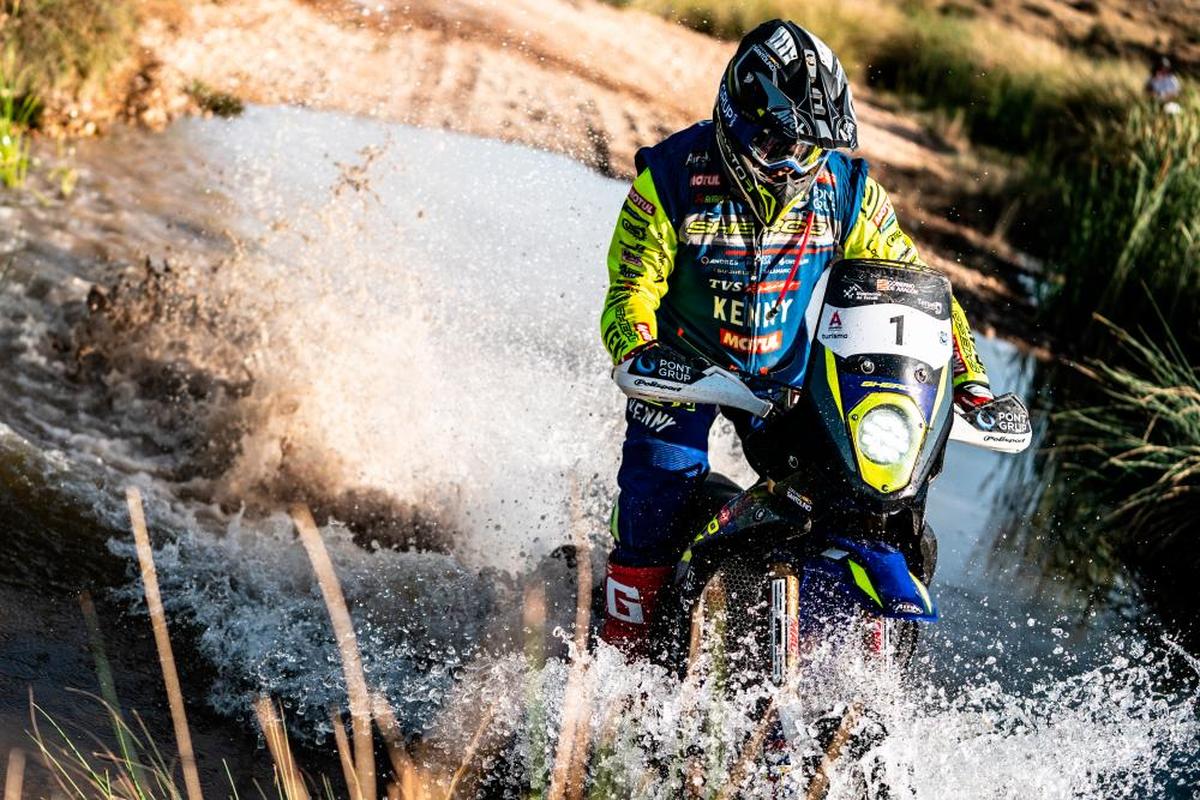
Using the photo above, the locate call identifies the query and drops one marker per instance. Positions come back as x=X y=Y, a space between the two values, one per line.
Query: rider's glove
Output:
x=971 y=395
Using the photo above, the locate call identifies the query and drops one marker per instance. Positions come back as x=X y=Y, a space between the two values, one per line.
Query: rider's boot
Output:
x=630 y=598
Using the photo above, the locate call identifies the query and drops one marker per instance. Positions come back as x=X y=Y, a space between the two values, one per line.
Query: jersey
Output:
x=691 y=265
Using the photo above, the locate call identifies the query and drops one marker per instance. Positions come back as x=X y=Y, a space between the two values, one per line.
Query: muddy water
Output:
x=398 y=326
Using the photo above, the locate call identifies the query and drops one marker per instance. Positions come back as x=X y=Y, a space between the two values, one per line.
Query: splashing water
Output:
x=401 y=325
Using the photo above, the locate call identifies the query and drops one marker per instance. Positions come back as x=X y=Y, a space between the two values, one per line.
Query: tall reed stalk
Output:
x=14 y=774
x=363 y=787
x=158 y=620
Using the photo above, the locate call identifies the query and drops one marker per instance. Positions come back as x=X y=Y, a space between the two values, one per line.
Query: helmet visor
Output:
x=770 y=150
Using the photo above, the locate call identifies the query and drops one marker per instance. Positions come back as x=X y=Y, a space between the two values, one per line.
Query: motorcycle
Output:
x=830 y=543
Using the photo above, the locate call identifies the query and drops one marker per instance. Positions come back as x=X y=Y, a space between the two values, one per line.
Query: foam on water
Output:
x=412 y=315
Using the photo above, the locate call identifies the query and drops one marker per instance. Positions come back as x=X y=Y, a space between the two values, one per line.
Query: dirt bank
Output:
x=578 y=77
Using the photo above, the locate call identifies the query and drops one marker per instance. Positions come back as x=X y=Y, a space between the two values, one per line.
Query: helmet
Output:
x=783 y=99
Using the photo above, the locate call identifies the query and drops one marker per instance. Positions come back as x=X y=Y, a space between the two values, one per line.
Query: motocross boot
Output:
x=631 y=597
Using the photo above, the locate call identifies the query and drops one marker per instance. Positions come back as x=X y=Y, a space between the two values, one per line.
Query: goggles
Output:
x=770 y=150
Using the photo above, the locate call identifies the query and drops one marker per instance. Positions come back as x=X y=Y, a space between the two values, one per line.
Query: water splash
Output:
x=401 y=324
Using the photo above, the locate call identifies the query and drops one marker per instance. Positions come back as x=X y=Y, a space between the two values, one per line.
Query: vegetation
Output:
x=65 y=47
x=1123 y=199
x=1012 y=89
x=1136 y=453
x=216 y=102
x=53 y=51
x=16 y=112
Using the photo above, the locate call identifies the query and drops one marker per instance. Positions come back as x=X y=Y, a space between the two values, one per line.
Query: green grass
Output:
x=1012 y=90
x=1120 y=209
x=214 y=101
x=65 y=47
x=1136 y=451
x=16 y=112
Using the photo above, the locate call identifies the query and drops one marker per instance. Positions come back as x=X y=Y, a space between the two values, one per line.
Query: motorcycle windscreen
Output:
x=880 y=370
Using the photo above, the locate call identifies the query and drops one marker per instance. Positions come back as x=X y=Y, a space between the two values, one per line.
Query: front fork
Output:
x=785 y=623
x=877 y=632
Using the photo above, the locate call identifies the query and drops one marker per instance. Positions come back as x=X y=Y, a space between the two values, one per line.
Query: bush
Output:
x=1135 y=455
x=66 y=46
x=1120 y=209
x=1015 y=91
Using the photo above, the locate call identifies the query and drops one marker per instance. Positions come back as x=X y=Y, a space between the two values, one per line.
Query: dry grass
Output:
x=1013 y=88
x=162 y=641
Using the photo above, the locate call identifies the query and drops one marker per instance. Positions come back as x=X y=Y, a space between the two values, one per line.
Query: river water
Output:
x=398 y=326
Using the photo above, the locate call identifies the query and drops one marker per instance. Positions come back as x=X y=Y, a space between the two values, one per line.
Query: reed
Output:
x=1122 y=199
x=347 y=641
x=569 y=774
x=95 y=772
x=162 y=641
x=14 y=774
x=1135 y=454
x=287 y=774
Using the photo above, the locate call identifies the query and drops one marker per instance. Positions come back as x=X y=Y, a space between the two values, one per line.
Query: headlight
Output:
x=885 y=435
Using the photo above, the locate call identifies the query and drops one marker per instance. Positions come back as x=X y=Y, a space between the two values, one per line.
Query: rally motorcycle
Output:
x=830 y=543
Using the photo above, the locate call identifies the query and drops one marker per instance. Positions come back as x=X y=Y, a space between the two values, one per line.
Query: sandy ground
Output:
x=578 y=77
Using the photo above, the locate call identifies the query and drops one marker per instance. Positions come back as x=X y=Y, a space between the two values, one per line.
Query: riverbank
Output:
x=584 y=79
x=317 y=297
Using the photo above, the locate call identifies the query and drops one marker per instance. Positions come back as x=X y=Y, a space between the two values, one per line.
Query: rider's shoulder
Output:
x=846 y=168
x=685 y=148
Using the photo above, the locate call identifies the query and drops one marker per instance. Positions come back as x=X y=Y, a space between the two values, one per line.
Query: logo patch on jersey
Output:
x=636 y=231
x=641 y=202
x=741 y=343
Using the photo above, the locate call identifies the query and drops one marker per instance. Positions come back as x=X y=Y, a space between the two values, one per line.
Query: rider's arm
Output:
x=640 y=259
x=877 y=234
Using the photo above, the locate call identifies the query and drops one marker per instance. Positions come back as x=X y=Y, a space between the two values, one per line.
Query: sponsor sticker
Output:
x=653 y=418
x=856 y=292
x=704 y=179
x=741 y=343
x=636 y=231
x=893 y=285
x=784 y=45
x=727 y=227
x=624 y=602
x=641 y=202
x=881 y=213
x=652 y=384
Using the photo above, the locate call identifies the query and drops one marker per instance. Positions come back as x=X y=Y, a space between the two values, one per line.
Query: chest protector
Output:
x=729 y=294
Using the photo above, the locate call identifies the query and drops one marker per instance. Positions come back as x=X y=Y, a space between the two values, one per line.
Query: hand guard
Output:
x=662 y=374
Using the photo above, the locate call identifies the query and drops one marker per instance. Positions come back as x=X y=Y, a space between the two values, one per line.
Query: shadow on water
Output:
x=298 y=306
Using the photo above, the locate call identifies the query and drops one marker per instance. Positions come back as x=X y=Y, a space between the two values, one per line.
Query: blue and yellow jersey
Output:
x=690 y=264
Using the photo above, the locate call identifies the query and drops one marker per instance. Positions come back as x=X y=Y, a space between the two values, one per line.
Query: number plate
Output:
x=885 y=329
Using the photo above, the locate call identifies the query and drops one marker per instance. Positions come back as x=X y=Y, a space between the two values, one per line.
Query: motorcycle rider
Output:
x=718 y=249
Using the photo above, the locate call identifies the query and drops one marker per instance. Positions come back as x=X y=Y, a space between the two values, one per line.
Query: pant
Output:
x=663 y=463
